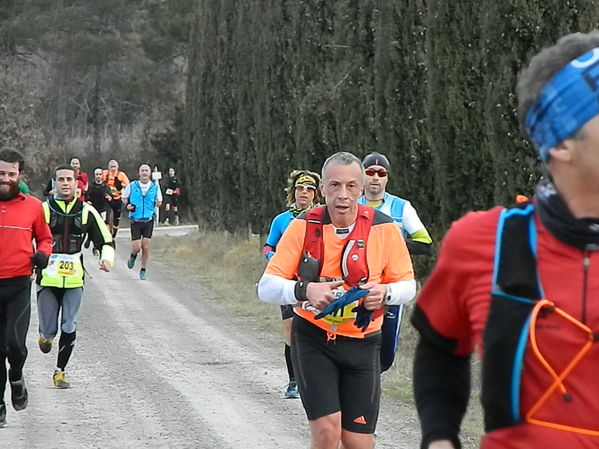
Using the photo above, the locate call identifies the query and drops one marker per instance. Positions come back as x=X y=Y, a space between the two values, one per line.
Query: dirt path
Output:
x=167 y=368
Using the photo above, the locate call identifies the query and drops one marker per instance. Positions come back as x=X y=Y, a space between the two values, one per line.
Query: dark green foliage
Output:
x=281 y=84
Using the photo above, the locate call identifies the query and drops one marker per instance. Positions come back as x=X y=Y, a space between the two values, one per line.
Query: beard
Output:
x=8 y=190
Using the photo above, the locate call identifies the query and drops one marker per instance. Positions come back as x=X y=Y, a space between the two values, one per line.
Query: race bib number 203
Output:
x=66 y=265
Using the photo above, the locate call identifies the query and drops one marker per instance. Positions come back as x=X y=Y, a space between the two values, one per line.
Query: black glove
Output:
x=363 y=317
x=39 y=260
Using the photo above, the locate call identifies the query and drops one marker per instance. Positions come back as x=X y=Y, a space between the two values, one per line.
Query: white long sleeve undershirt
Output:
x=274 y=289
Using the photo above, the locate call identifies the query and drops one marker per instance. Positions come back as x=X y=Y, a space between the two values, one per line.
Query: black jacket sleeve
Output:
x=48 y=187
x=441 y=385
x=95 y=232
x=417 y=248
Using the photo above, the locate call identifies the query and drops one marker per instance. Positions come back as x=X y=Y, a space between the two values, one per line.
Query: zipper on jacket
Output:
x=65 y=238
x=3 y=212
x=586 y=263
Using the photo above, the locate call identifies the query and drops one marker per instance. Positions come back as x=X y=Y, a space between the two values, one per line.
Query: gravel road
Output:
x=158 y=364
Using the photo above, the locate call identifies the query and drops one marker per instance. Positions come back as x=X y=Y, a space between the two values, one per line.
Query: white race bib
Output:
x=66 y=265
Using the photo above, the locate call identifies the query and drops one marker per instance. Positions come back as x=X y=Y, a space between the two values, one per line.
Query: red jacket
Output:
x=22 y=223
x=456 y=299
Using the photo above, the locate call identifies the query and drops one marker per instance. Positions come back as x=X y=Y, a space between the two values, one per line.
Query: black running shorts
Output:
x=139 y=228
x=338 y=375
x=173 y=200
x=287 y=311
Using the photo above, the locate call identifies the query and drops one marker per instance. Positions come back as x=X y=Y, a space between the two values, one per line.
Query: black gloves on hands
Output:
x=363 y=317
x=39 y=260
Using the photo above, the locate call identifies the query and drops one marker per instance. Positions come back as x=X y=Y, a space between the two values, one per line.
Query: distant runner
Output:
x=377 y=168
x=99 y=196
x=172 y=191
x=141 y=198
x=302 y=194
x=116 y=180
x=82 y=180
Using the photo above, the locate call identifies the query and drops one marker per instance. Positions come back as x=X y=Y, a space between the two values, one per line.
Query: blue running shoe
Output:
x=142 y=274
x=292 y=391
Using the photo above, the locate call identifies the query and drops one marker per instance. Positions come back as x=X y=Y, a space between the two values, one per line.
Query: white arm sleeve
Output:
x=402 y=292
x=276 y=290
x=127 y=193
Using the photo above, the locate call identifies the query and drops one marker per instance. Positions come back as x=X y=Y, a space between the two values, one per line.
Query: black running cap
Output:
x=376 y=159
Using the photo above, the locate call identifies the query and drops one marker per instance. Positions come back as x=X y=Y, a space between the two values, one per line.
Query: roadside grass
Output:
x=230 y=266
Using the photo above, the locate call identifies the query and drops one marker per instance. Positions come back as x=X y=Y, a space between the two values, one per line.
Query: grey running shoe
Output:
x=18 y=394
x=131 y=261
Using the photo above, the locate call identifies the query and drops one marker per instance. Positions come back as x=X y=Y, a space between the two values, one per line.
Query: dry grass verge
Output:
x=231 y=266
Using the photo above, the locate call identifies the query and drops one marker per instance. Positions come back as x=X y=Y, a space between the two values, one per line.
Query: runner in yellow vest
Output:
x=60 y=284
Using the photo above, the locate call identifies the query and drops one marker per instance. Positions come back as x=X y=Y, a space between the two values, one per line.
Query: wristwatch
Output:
x=387 y=298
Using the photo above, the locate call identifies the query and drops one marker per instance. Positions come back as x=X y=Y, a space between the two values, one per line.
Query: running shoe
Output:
x=131 y=261
x=45 y=344
x=292 y=391
x=59 y=379
x=142 y=274
x=18 y=394
x=177 y=220
x=2 y=414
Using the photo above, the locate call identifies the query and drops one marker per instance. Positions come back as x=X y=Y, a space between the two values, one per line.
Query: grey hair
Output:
x=342 y=158
x=547 y=63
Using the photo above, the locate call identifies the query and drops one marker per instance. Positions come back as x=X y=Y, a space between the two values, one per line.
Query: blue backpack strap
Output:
x=515 y=290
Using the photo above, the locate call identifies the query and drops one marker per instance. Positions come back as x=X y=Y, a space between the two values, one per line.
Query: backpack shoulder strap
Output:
x=313 y=240
x=515 y=268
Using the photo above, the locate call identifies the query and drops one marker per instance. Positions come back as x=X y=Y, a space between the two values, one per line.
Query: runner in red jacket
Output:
x=521 y=284
x=21 y=223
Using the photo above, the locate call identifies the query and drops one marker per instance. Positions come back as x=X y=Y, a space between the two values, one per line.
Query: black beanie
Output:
x=376 y=159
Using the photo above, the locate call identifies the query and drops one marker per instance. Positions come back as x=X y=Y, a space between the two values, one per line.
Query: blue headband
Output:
x=566 y=103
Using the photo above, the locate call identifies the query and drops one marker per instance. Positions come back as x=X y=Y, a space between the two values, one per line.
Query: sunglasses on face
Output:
x=301 y=188
x=380 y=171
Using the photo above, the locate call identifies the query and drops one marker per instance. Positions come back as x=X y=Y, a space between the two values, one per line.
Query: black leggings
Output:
x=115 y=207
x=15 y=313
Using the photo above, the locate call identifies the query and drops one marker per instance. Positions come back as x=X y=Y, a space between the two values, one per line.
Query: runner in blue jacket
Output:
x=302 y=194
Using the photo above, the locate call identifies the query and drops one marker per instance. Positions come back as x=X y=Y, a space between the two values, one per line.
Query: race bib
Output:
x=342 y=315
x=66 y=265
x=169 y=191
